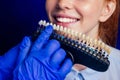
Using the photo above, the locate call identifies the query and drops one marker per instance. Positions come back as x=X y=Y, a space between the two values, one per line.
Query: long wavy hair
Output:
x=108 y=30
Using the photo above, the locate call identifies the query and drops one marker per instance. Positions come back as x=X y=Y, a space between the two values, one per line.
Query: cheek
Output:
x=89 y=17
x=50 y=5
x=89 y=9
x=48 y=8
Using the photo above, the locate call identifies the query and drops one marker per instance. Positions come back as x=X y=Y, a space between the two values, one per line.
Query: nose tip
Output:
x=64 y=4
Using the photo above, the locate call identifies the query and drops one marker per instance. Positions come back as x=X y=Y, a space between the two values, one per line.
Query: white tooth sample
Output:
x=99 y=43
x=44 y=22
x=95 y=42
x=40 y=22
x=61 y=28
x=83 y=36
x=64 y=29
x=87 y=39
x=47 y=24
x=72 y=32
x=102 y=45
x=51 y=24
x=57 y=27
x=54 y=27
x=76 y=34
x=79 y=35
x=68 y=31
x=91 y=42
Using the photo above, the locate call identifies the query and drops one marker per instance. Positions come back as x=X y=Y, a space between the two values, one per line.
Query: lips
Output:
x=65 y=19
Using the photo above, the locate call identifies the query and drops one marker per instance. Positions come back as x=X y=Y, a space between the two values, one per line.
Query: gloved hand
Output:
x=45 y=61
x=11 y=58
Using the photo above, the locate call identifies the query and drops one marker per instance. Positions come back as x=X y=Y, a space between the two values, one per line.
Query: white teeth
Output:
x=66 y=20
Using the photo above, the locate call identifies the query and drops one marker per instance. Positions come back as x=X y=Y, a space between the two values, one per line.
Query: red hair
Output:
x=108 y=30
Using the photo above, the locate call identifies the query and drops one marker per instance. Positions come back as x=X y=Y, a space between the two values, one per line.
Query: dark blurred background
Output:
x=19 y=18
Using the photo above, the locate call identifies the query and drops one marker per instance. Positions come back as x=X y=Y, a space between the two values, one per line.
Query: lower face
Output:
x=79 y=15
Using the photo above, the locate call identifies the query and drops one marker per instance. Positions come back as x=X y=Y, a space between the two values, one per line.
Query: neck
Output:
x=79 y=67
x=93 y=33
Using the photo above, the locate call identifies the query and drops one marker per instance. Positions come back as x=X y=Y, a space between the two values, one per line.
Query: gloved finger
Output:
x=24 y=49
x=47 y=51
x=51 y=47
x=66 y=67
x=57 y=58
x=42 y=38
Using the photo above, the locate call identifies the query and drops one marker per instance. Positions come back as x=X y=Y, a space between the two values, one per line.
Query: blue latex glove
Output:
x=11 y=58
x=46 y=60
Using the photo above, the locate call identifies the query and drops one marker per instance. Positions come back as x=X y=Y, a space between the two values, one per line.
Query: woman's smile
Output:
x=65 y=20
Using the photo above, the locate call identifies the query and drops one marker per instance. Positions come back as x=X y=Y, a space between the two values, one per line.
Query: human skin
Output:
x=80 y=15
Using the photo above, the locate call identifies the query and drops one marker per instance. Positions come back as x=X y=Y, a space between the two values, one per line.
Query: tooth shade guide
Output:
x=71 y=33
x=81 y=38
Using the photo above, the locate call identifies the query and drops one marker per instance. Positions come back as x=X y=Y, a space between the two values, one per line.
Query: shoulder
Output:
x=114 y=55
x=114 y=50
x=114 y=58
x=113 y=71
x=114 y=68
